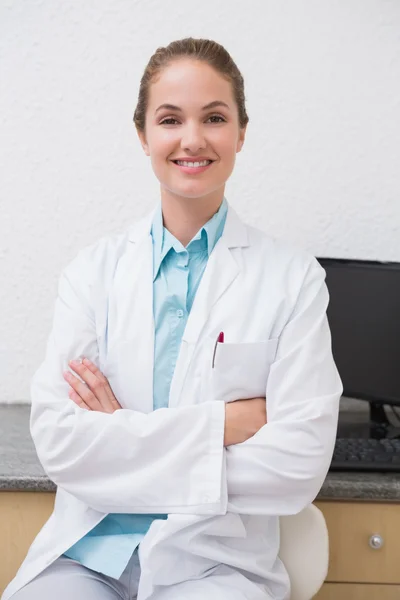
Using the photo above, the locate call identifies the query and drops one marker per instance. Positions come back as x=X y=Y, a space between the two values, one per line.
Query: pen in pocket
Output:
x=220 y=340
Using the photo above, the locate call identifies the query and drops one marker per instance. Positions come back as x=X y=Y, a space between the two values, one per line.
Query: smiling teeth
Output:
x=184 y=163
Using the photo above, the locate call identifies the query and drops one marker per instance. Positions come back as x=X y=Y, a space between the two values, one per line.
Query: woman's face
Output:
x=192 y=116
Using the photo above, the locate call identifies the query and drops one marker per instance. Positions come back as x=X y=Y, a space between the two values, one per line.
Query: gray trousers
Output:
x=67 y=579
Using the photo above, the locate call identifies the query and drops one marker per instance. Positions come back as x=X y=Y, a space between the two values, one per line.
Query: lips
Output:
x=192 y=170
x=193 y=163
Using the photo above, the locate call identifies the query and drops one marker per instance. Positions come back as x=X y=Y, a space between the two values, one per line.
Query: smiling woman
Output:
x=202 y=124
x=193 y=329
x=191 y=120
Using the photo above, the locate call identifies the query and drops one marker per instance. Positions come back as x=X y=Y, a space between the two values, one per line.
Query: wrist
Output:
x=229 y=427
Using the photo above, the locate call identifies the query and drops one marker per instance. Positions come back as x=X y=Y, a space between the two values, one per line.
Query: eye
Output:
x=222 y=120
x=167 y=121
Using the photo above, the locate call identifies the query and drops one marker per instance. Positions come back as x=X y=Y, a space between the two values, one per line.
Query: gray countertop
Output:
x=20 y=468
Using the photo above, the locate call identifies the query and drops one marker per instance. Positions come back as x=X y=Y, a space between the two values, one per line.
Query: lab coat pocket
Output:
x=241 y=370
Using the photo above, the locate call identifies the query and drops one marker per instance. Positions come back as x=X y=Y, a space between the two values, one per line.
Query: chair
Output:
x=304 y=550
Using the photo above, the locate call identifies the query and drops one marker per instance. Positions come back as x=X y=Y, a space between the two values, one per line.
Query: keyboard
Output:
x=363 y=454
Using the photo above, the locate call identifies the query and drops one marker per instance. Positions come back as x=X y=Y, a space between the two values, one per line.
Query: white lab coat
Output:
x=270 y=300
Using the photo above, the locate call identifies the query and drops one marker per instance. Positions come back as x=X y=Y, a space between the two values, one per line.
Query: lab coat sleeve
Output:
x=280 y=470
x=168 y=461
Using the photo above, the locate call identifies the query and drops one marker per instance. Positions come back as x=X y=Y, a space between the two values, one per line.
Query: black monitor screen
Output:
x=364 y=317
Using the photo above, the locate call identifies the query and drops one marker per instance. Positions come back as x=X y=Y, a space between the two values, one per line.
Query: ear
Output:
x=142 y=138
x=242 y=135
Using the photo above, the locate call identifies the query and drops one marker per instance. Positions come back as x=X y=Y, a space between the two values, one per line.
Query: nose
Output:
x=193 y=138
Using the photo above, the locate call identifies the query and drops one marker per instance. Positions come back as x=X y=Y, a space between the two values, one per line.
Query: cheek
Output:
x=228 y=153
x=226 y=144
x=162 y=143
x=161 y=147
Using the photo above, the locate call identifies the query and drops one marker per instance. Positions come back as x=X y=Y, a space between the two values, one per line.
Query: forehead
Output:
x=189 y=82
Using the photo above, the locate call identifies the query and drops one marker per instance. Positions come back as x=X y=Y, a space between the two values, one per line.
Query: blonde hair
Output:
x=207 y=51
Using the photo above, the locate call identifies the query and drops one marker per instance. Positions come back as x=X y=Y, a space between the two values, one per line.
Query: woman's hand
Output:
x=96 y=393
x=243 y=418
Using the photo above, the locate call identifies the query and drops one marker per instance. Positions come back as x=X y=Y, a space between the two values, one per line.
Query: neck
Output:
x=183 y=217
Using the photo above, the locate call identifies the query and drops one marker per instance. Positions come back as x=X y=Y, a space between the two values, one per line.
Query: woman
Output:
x=191 y=327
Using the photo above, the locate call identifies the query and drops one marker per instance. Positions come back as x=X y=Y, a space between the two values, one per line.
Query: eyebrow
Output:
x=213 y=104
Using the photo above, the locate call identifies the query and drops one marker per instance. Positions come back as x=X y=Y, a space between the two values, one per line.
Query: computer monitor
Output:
x=364 y=317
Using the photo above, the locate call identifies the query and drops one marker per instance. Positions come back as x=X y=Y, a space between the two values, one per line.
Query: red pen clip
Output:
x=220 y=340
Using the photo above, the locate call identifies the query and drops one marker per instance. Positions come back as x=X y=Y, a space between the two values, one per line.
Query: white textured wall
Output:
x=320 y=165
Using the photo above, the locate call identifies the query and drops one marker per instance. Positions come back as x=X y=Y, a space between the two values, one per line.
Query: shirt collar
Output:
x=163 y=240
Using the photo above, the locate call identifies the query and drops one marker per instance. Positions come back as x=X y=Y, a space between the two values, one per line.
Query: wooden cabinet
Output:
x=358 y=591
x=364 y=550
x=357 y=571
x=22 y=515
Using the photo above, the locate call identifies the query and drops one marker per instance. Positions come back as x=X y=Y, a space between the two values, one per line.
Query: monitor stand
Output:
x=379 y=424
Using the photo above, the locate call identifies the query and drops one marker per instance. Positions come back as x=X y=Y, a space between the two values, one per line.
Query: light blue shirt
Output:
x=177 y=272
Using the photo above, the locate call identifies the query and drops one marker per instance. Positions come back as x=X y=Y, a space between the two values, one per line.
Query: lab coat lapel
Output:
x=131 y=308
x=221 y=270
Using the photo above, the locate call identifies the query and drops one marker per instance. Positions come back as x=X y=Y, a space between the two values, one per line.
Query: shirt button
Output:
x=179 y=313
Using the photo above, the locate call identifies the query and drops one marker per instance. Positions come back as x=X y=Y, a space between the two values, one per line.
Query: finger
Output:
x=78 y=400
x=116 y=405
x=83 y=391
x=92 y=367
x=98 y=386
